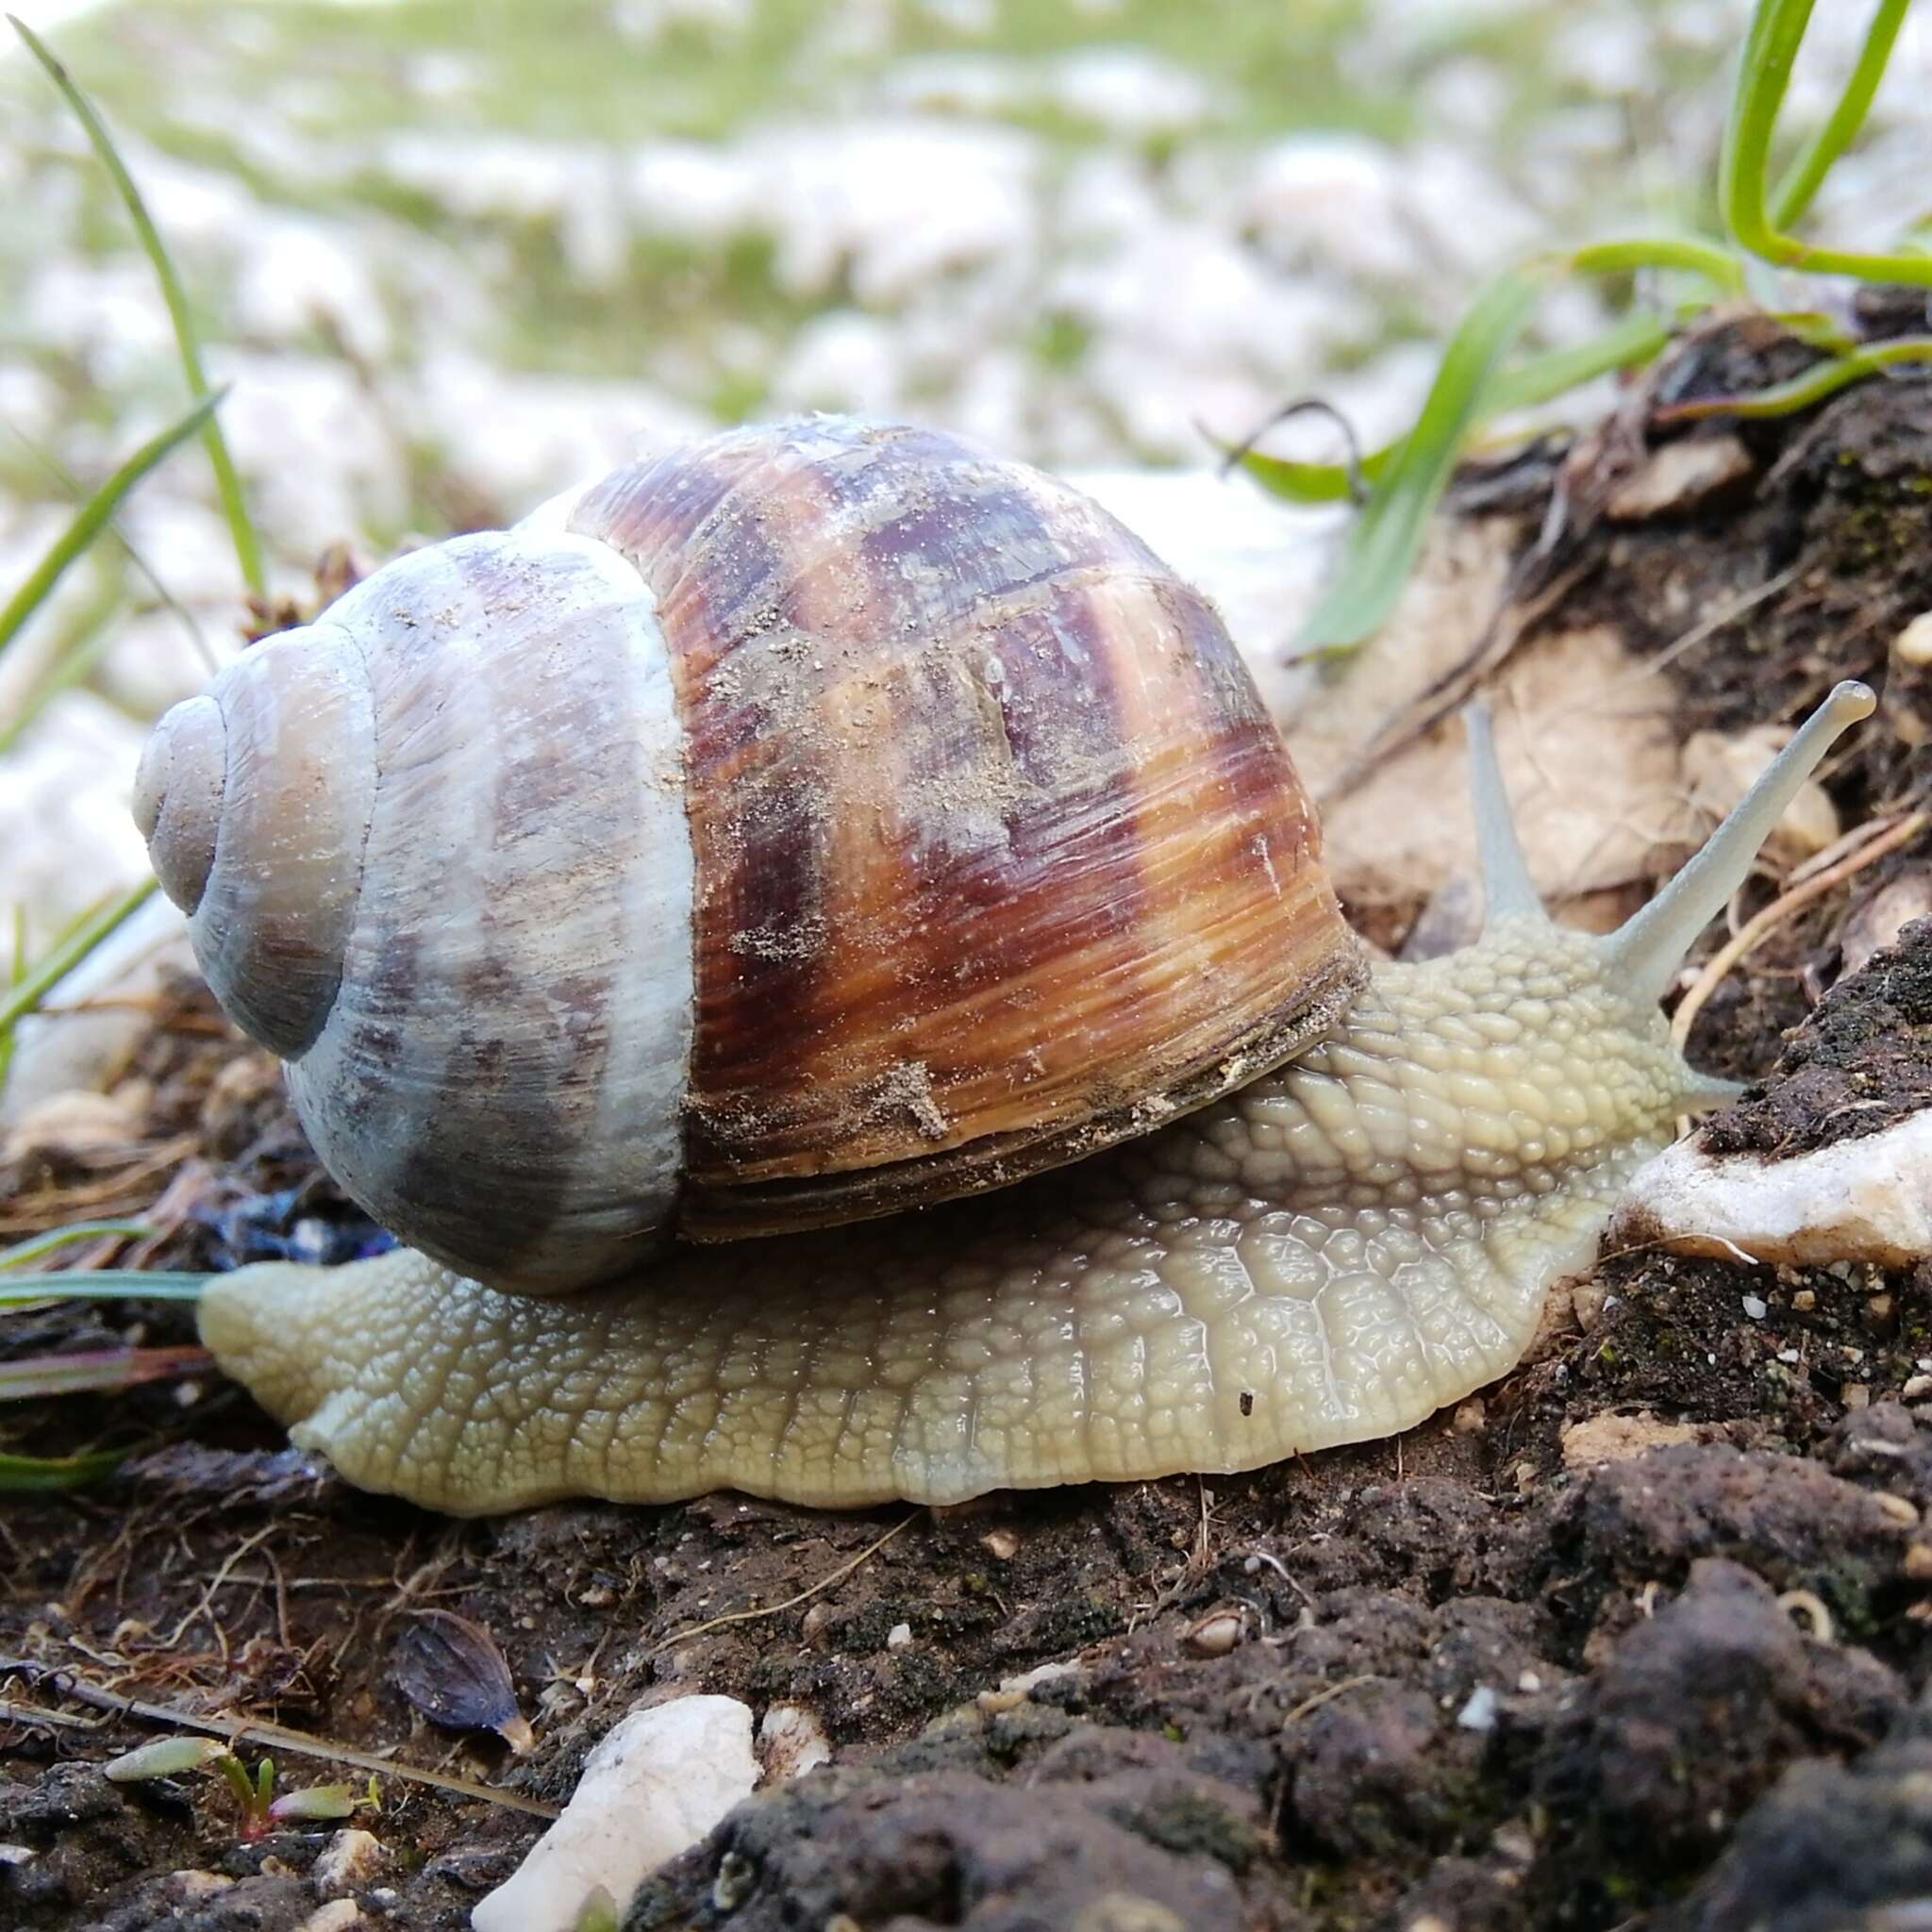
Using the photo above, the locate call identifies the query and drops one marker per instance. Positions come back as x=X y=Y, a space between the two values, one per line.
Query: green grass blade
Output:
x=103 y=1284
x=94 y=514
x=1383 y=545
x=16 y=972
x=1313 y=482
x=1679 y=252
x=68 y=481
x=1640 y=337
x=1764 y=74
x=40 y=1475
x=227 y=483
x=1813 y=386
x=1801 y=181
x=41 y=1246
x=38 y=981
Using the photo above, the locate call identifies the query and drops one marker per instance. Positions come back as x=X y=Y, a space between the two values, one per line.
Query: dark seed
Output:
x=452 y=1671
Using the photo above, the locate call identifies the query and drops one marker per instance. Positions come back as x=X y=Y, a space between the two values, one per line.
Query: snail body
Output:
x=969 y=866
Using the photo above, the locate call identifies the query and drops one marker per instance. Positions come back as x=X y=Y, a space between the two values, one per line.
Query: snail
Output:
x=822 y=925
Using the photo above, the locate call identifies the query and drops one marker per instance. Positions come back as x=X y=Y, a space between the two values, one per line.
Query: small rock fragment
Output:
x=1878 y=923
x=1000 y=1544
x=348 y=1862
x=1216 y=1634
x=191 y=1886
x=657 y=1783
x=1587 y=1302
x=1479 y=1714
x=1679 y=475
x=1864 y=1200
x=899 y=1637
x=790 y=1742
x=1913 y=644
x=1618 y=1437
x=339 y=1915
x=1014 y=1692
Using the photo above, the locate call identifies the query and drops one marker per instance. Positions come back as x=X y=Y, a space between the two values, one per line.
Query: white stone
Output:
x=1865 y=1199
x=339 y=1915
x=347 y=1863
x=657 y=1784
x=792 y=1741
x=1479 y=1714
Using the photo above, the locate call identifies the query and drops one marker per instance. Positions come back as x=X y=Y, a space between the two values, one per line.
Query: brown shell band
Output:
x=998 y=856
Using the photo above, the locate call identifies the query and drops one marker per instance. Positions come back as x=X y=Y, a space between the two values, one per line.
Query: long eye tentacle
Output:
x=1644 y=952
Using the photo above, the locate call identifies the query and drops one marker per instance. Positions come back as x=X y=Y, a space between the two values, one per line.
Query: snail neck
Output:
x=1514 y=1079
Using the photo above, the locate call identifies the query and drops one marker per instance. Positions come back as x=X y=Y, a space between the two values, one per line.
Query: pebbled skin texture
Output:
x=1324 y=1257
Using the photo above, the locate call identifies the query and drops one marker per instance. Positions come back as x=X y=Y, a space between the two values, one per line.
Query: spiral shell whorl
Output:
x=255 y=802
x=501 y=1078
x=178 y=797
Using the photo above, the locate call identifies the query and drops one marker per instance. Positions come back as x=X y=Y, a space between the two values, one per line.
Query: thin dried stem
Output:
x=1756 y=931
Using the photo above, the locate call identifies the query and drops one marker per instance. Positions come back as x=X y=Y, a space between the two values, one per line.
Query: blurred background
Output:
x=453 y=255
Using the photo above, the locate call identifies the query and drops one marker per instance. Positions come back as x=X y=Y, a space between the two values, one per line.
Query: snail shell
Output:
x=819 y=821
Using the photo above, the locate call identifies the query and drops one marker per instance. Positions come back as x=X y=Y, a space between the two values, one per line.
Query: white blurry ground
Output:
x=453 y=258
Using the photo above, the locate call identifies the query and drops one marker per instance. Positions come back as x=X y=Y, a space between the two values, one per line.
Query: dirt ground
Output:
x=1473 y=1677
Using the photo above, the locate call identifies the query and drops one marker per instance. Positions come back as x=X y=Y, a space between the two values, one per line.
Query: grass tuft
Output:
x=227 y=481
x=95 y=514
x=1405 y=479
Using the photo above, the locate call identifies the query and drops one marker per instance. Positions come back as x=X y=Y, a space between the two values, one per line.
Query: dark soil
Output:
x=1469 y=1678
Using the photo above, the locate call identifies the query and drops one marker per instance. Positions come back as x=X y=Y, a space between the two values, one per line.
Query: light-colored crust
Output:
x=1327 y=1256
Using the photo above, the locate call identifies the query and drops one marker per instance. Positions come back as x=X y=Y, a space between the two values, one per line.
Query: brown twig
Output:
x=838 y=1576
x=1759 y=927
x=240 y=1730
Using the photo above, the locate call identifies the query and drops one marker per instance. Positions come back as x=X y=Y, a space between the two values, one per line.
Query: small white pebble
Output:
x=1913 y=644
x=1479 y=1714
x=347 y=1862
x=1788 y=1355
x=1215 y=1635
x=1000 y=1544
x=658 y=1781
x=1915 y=1386
x=899 y=1637
x=339 y=1915
x=791 y=1741
x=1855 y=1396
x=1529 y=1682
x=1757 y=1308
